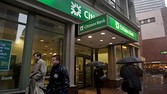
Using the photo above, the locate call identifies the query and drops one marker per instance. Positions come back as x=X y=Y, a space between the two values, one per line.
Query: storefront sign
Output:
x=107 y=21
x=122 y=28
x=5 y=53
x=72 y=8
x=163 y=52
x=94 y=24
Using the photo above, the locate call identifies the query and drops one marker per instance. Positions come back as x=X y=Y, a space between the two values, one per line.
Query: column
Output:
x=70 y=52
x=112 y=68
x=25 y=67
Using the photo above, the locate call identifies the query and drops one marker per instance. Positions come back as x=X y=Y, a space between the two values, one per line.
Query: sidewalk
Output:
x=103 y=91
x=152 y=84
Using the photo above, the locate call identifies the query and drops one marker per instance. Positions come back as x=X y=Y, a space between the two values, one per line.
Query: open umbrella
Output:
x=96 y=63
x=129 y=60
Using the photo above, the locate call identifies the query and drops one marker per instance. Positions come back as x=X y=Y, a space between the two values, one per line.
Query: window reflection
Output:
x=14 y=32
x=48 y=40
x=12 y=28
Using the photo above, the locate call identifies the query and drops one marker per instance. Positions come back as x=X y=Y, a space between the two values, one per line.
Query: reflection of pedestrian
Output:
x=16 y=74
x=59 y=78
x=98 y=74
x=131 y=74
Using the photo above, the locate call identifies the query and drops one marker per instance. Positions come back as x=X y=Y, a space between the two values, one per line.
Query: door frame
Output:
x=84 y=69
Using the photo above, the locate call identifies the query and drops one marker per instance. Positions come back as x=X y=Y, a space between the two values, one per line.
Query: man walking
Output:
x=59 y=78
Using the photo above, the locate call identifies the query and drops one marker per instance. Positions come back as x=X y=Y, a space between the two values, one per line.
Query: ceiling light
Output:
x=110 y=43
x=101 y=40
x=78 y=39
x=89 y=36
x=113 y=37
x=124 y=47
x=41 y=40
x=46 y=46
x=44 y=54
x=102 y=33
x=54 y=53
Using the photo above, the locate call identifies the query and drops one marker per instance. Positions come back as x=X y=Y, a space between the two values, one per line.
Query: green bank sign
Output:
x=94 y=24
x=107 y=22
x=72 y=8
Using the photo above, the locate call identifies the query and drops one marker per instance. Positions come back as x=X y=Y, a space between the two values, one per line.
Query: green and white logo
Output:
x=75 y=9
x=117 y=24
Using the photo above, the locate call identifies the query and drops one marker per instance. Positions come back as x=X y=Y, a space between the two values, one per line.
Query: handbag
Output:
x=125 y=85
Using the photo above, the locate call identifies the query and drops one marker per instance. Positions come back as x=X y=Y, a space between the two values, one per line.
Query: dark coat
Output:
x=59 y=80
x=132 y=74
x=98 y=73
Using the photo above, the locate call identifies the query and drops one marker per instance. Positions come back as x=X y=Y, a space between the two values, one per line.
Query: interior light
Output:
x=44 y=54
x=78 y=39
x=102 y=33
x=50 y=53
x=101 y=40
x=110 y=43
x=46 y=46
x=124 y=47
x=41 y=40
x=89 y=36
x=113 y=37
x=54 y=53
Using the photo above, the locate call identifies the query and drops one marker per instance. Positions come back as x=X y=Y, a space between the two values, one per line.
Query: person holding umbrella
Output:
x=131 y=74
x=98 y=74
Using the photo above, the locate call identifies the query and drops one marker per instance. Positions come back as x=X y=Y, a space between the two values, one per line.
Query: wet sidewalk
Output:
x=152 y=84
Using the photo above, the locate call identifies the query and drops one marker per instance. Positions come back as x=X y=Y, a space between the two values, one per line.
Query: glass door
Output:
x=79 y=72
x=88 y=74
x=83 y=72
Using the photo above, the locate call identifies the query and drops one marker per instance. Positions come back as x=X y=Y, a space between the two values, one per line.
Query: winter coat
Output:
x=131 y=74
x=39 y=70
x=59 y=80
x=33 y=87
x=36 y=81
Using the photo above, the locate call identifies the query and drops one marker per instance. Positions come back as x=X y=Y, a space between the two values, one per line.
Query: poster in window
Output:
x=5 y=54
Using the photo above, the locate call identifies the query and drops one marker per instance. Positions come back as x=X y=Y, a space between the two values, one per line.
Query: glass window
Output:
x=126 y=51
x=82 y=50
x=48 y=40
x=152 y=19
x=12 y=32
x=118 y=56
x=103 y=56
x=122 y=51
x=112 y=3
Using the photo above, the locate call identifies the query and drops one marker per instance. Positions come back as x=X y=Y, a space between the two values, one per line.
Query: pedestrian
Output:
x=36 y=81
x=59 y=78
x=98 y=74
x=132 y=78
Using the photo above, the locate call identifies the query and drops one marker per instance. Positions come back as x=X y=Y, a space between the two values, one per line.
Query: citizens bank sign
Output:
x=72 y=8
x=107 y=22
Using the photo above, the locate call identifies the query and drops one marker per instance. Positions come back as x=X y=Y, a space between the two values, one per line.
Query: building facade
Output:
x=148 y=5
x=154 y=31
x=63 y=27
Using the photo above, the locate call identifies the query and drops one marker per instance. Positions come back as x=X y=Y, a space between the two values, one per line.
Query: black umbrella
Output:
x=96 y=63
x=129 y=60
